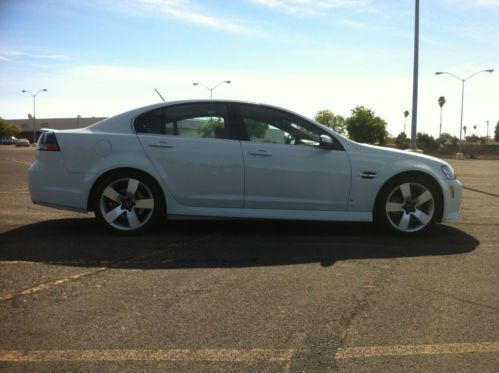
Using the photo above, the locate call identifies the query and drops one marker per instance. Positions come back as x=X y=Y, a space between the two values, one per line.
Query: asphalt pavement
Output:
x=249 y=296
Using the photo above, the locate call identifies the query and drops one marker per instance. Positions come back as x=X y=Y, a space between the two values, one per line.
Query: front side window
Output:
x=189 y=120
x=267 y=125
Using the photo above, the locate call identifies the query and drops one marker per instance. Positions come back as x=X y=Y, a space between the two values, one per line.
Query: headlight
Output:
x=448 y=172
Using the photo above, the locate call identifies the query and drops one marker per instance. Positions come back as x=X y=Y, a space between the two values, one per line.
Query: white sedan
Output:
x=228 y=159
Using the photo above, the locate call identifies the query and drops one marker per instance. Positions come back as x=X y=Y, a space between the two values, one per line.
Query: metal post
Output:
x=440 y=130
x=461 y=126
x=211 y=88
x=460 y=155
x=415 y=80
x=34 y=121
x=487 y=138
x=34 y=108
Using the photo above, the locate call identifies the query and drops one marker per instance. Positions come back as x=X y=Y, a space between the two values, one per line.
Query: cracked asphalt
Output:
x=250 y=296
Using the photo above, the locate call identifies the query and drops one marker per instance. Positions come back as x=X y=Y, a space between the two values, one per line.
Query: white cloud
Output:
x=313 y=7
x=184 y=11
x=475 y=3
x=15 y=54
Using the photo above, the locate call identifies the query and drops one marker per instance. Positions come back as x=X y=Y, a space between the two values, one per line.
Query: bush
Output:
x=7 y=129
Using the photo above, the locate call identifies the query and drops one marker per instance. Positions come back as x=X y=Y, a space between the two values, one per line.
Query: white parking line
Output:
x=404 y=350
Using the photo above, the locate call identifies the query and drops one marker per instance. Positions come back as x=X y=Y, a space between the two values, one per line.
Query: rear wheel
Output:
x=408 y=205
x=128 y=202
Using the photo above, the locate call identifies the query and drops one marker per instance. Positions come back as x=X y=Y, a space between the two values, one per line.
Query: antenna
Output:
x=159 y=94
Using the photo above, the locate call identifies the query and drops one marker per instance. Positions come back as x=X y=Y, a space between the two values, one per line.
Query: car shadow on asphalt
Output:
x=202 y=244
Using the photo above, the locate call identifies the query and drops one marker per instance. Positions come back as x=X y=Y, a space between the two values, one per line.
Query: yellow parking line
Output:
x=43 y=286
x=404 y=350
x=219 y=355
x=27 y=163
x=48 y=284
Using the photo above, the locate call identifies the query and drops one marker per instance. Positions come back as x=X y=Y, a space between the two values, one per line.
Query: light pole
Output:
x=415 y=80
x=212 y=88
x=34 y=110
x=406 y=114
x=487 y=139
x=441 y=102
x=460 y=153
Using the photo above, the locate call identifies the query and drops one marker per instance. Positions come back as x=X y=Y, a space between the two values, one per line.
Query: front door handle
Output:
x=161 y=144
x=260 y=153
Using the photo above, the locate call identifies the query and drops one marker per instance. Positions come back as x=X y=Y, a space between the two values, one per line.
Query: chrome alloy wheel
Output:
x=410 y=207
x=127 y=204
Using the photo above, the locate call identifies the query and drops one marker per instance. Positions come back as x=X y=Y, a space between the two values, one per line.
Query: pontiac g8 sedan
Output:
x=228 y=159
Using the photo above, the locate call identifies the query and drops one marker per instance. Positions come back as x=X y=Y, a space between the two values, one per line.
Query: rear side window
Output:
x=188 y=120
x=150 y=122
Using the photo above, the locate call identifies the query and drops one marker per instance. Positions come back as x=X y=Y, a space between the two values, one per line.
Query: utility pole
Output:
x=406 y=114
x=415 y=80
x=487 y=141
x=441 y=103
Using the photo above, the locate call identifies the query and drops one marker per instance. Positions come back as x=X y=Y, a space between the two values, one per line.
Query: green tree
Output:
x=255 y=129
x=496 y=137
x=402 y=141
x=364 y=126
x=447 y=138
x=208 y=129
x=7 y=129
x=331 y=120
x=426 y=142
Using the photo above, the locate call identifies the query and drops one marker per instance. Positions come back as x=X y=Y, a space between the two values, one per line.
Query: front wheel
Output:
x=408 y=205
x=128 y=202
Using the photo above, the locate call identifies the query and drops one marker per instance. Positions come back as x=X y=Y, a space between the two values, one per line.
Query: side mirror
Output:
x=326 y=142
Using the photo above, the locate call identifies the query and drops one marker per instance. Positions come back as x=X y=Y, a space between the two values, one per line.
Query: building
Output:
x=26 y=125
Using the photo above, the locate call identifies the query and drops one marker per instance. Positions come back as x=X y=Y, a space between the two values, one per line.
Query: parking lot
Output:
x=252 y=296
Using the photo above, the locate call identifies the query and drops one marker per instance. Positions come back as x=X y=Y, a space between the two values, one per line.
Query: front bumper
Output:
x=452 y=200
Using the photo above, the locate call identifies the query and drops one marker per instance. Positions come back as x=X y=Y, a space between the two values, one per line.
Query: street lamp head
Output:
x=24 y=91
x=44 y=89
x=490 y=70
x=439 y=73
x=195 y=83
x=227 y=81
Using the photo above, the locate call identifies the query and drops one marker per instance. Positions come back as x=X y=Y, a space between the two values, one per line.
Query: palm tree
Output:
x=441 y=102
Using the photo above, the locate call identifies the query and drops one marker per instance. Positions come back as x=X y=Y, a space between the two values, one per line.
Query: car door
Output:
x=190 y=146
x=285 y=168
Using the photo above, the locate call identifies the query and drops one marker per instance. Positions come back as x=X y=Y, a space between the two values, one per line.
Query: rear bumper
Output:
x=50 y=184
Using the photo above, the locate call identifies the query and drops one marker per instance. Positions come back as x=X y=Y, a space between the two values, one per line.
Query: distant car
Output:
x=10 y=140
x=22 y=142
x=228 y=159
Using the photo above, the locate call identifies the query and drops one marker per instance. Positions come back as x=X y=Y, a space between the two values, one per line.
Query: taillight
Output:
x=48 y=142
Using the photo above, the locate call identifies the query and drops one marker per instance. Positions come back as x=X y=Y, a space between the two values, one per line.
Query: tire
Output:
x=128 y=202
x=408 y=205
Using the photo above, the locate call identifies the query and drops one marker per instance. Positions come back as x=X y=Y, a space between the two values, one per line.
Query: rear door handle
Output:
x=260 y=153
x=161 y=144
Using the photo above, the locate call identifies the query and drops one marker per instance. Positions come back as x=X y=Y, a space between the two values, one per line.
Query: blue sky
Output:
x=102 y=57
